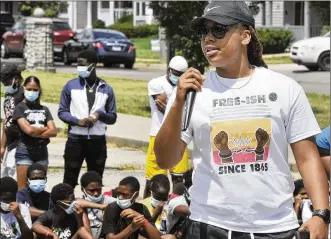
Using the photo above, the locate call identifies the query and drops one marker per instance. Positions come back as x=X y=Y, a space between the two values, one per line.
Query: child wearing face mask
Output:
x=36 y=126
x=15 y=218
x=66 y=220
x=126 y=218
x=157 y=203
x=35 y=197
x=91 y=185
x=11 y=79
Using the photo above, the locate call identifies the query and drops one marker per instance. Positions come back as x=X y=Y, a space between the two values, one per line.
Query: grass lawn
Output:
x=131 y=95
x=321 y=108
x=278 y=60
x=143 y=48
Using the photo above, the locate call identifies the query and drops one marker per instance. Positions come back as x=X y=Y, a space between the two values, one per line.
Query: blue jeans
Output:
x=27 y=155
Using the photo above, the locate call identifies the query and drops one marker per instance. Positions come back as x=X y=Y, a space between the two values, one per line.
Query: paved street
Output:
x=314 y=82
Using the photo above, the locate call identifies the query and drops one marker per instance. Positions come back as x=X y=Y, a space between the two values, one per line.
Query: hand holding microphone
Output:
x=189 y=83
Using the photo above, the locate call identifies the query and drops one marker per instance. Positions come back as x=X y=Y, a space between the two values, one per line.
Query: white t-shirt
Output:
x=96 y=216
x=9 y=225
x=155 y=87
x=172 y=218
x=251 y=190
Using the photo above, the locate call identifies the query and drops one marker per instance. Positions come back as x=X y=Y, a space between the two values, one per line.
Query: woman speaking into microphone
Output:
x=243 y=119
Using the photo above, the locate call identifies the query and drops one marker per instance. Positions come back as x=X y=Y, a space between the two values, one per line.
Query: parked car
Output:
x=6 y=22
x=112 y=47
x=14 y=39
x=313 y=53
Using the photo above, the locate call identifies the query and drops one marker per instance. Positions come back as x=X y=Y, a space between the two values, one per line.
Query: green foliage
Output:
x=325 y=29
x=274 y=41
x=51 y=8
x=174 y=17
x=126 y=18
x=99 y=24
x=134 y=32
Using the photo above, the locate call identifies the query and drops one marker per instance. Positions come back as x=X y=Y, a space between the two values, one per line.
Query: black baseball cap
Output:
x=9 y=71
x=225 y=13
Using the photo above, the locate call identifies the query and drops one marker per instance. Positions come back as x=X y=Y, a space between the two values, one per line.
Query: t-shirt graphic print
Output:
x=240 y=134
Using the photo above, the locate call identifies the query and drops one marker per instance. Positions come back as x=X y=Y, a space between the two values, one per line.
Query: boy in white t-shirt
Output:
x=243 y=119
x=15 y=218
x=159 y=91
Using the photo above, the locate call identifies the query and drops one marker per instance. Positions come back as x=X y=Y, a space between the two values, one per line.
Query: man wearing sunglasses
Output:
x=159 y=91
x=243 y=119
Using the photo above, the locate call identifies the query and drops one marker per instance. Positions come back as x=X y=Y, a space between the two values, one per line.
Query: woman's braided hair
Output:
x=255 y=49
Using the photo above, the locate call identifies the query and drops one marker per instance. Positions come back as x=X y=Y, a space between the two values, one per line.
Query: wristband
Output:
x=145 y=223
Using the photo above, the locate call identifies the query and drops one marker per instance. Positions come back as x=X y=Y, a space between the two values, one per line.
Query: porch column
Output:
x=89 y=14
x=307 y=19
x=269 y=13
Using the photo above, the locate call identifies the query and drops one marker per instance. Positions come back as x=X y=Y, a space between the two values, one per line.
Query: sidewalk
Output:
x=128 y=129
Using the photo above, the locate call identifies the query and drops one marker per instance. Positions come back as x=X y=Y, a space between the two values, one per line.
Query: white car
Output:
x=313 y=53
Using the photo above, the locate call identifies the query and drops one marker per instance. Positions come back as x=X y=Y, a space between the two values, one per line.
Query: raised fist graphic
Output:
x=221 y=143
x=262 y=137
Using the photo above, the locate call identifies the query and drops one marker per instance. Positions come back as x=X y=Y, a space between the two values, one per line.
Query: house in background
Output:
x=81 y=14
x=296 y=16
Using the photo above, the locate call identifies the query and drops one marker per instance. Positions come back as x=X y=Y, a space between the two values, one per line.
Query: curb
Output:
x=136 y=144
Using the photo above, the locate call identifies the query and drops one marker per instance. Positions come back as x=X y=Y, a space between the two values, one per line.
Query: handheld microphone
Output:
x=188 y=108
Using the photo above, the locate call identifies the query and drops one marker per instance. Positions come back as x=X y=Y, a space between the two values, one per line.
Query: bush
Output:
x=99 y=24
x=126 y=18
x=325 y=30
x=135 y=32
x=274 y=41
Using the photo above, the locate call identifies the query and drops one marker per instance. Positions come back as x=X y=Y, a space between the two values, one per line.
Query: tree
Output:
x=51 y=8
x=255 y=7
x=174 y=17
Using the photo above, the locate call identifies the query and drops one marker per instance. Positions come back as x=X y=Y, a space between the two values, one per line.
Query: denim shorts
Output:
x=26 y=155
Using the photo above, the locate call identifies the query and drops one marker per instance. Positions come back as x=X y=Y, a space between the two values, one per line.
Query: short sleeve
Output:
x=302 y=123
x=154 y=88
x=173 y=203
x=45 y=219
x=22 y=197
x=147 y=214
x=110 y=219
x=48 y=114
x=26 y=215
x=18 y=112
x=187 y=135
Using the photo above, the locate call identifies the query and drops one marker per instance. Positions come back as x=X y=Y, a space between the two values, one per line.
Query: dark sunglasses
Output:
x=218 y=31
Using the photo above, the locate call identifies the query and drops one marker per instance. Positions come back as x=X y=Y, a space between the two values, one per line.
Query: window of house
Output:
x=127 y=4
x=105 y=4
x=144 y=9
x=63 y=7
x=137 y=8
x=299 y=13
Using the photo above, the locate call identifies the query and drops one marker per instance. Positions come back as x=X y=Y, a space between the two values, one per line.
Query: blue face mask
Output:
x=37 y=185
x=10 y=89
x=91 y=198
x=31 y=95
x=174 y=79
x=83 y=71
